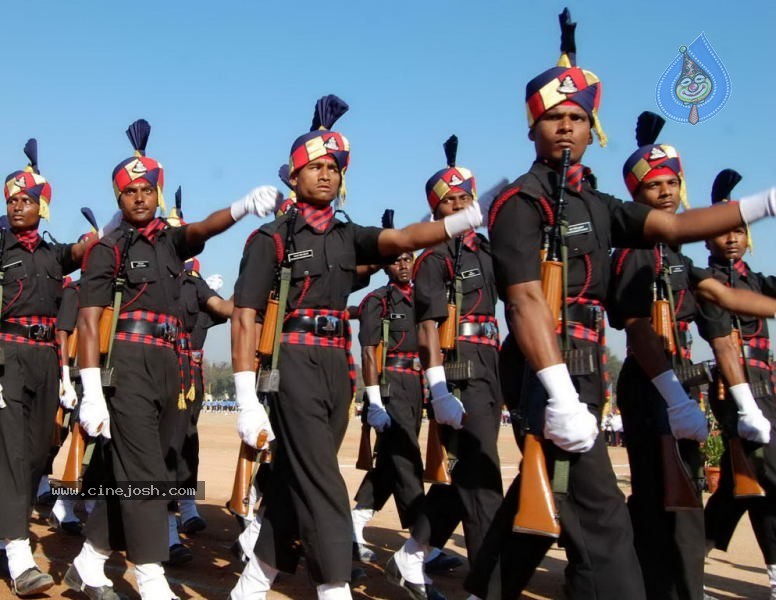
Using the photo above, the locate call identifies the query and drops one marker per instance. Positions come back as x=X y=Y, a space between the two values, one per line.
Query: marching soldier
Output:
x=473 y=414
x=751 y=415
x=387 y=322
x=668 y=532
x=316 y=253
x=135 y=416
x=595 y=527
x=31 y=273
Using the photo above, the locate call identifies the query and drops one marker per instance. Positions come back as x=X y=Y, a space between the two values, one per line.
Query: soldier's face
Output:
x=22 y=212
x=138 y=202
x=730 y=245
x=400 y=270
x=661 y=193
x=317 y=182
x=452 y=202
x=563 y=126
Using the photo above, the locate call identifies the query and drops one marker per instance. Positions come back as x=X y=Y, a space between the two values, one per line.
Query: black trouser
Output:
x=399 y=466
x=307 y=498
x=476 y=490
x=143 y=417
x=670 y=545
x=596 y=529
x=723 y=510
x=30 y=383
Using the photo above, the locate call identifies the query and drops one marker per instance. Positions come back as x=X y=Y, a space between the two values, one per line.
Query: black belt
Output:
x=402 y=363
x=165 y=331
x=588 y=315
x=320 y=325
x=487 y=330
x=37 y=332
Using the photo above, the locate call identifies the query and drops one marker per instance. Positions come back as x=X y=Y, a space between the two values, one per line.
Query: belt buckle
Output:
x=489 y=330
x=168 y=332
x=415 y=363
x=326 y=326
x=38 y=332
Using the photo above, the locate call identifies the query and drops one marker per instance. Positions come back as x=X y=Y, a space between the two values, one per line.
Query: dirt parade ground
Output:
x=213 y=571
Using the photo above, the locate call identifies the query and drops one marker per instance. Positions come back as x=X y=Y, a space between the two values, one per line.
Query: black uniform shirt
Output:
x=68 y=308
x=634 y=273
x=388 y=303
x=323 y=265
x=715 y=321
x=154 y=271
x=597 y=222
x=434 y=275
x=33 y=280
x=194 y=296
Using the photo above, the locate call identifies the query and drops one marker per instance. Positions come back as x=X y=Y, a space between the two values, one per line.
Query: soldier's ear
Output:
x=590 y=139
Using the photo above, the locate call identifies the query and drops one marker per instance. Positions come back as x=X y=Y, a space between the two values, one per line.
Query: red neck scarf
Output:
x=317 y=218
x=404 y=288
x=152 y=230
x=575 y=176
x=470 y=240
x=29 y=239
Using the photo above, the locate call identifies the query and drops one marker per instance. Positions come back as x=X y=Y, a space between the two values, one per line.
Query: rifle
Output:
x=441 y=458
x=2 y=281
x=679 y=491
x=745 y=484
x=537 y=512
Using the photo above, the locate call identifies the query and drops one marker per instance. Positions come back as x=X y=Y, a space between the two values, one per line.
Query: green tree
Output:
x=218 y=379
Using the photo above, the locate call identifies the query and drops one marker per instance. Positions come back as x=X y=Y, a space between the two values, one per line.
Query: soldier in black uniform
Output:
x=307 y=500
x=476 y=490
x=399 y=467
x=136 y=416
x=596 y=532
x=670 y=543
x=33 y=270
x=750 y=418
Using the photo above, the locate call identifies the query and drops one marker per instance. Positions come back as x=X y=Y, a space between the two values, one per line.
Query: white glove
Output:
x=567 y=422
x=752 y=424
x=67 y=395
x=758 y=206
x=215 y=282
x=463 y=220
x=2 y=400
x=376 y=414
x=259 y=201
x=253 y=419
x=111 y=225
x=448 y=410
x=93 y=414
x=685 y=417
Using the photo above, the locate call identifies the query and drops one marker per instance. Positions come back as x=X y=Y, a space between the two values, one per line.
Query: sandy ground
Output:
x=736 y=574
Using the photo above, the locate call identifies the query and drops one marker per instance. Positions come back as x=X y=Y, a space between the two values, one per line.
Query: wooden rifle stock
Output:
x=59 y=423
x=72 y=346
x=240 y=501
x=663 y=325
x=745 y=484
x=267 y=337
x=538 y=518
x=364 y=461
x=437 y=465
x=447 y=330
x=75 y=456
x=552 y=286
x=679 y=491
x=105 y=325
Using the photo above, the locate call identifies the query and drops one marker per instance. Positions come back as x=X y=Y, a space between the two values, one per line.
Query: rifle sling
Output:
x=118 y=292
x=386 y=324
x=285 y=284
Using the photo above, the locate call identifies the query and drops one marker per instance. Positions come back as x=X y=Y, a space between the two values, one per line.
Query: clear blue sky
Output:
x=228 y=85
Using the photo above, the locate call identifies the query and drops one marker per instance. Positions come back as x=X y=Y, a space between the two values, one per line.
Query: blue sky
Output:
x=228 y=85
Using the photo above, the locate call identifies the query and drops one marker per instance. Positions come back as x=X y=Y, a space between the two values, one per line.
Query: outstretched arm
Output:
x=743 y=302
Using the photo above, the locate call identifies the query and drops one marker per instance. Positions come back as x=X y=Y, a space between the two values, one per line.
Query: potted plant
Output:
x=713 y=448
